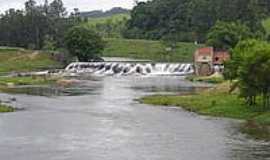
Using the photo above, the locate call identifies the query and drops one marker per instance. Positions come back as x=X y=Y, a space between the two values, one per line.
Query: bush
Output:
x=250 y=64
x=226 y=35
x=84 y=43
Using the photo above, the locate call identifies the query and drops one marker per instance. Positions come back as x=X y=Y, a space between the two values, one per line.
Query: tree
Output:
x=57 y=9
x=185 y=18
x=30 y=27
x=225 y=35
x=250 y=65
x=84 y=43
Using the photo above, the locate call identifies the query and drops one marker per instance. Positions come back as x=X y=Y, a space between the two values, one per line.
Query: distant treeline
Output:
x=100 y=13
x=36 y=26
x=190 y=20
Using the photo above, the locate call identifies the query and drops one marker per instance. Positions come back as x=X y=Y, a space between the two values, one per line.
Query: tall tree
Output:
x=190 y=20
x=84 y=43
x=225 y=35
x=57 y=9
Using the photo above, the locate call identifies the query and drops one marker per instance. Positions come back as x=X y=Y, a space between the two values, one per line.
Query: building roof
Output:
x=205 y=50
x=220 y=57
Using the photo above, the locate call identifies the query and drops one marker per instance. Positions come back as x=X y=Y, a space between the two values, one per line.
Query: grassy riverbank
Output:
x=9 y=81
x=219 y=103
x=21 y=60
x=214 y=79
x=4 y=109
x=151 y=50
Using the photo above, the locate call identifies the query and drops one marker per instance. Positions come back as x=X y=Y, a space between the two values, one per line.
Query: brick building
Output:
x=207 y=61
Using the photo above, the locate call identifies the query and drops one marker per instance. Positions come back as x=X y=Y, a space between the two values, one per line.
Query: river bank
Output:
x=5 y=108
x=219 y=103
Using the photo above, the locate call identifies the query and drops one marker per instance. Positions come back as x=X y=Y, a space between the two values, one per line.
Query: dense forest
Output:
x=44 y=26
x=36 y=26
x=190 y=20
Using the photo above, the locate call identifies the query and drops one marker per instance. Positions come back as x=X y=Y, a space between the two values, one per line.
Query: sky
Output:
x=83 y=5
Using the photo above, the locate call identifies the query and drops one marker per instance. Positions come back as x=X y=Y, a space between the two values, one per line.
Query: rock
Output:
x=148 y=70
x=139 y=70
x=13 y=99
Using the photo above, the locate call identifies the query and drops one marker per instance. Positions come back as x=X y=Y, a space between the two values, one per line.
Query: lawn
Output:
x=150 y=50
x=112 y=19
x=18 y=60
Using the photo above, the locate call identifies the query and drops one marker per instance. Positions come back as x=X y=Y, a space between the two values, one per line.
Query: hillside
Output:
x=108 y=27
x=102 y=14
x=17 y=59
x=151 y=50
x=114 y=19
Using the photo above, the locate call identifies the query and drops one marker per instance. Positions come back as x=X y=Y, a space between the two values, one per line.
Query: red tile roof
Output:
x=205 y=50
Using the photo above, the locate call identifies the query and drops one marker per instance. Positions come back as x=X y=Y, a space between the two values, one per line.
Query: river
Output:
x=99 y=119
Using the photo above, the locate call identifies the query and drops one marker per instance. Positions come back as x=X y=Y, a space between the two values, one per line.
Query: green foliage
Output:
x=84 y=43
x=219 y=103
x=250 y=64
x=28 y=28
x=190 y=20
x=16 y=59
x=266 y=25
x=49 y=44
x=4 y=109
x=108 y=27
x=151 y=50
x=214 y=104
x=226 y=35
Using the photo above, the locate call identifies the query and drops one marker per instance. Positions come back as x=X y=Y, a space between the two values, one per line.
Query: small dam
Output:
x=131 y=68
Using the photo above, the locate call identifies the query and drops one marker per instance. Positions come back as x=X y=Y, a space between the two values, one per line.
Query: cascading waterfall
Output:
x=125 y=68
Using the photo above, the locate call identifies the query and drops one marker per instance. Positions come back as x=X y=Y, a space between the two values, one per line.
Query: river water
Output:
x=98 y=119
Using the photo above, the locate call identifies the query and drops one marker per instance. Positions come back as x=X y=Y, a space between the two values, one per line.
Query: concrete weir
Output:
x=131 y=68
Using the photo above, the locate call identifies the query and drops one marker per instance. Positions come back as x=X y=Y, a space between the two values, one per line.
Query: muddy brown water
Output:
x=98 y=119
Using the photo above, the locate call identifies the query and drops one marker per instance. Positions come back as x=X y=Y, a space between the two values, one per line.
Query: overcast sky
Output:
x=83 y=5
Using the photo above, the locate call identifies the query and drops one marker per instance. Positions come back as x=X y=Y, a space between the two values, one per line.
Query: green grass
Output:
x=113 y=19
x=4 y=109
x=151 y=50
x=5 y=81
x=16 y=60
x=219 y=103
x=215 y=79
x=109 y=27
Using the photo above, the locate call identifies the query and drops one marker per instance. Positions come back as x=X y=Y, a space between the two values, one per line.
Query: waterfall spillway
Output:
x=125 y=68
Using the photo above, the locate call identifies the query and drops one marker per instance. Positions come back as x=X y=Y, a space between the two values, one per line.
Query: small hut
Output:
x=203 y=61
x=207 y=61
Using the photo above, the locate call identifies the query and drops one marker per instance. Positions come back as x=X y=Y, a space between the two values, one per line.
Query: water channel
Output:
x=100 y=119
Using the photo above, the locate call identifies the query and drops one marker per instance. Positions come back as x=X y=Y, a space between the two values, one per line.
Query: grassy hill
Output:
x=140 y=49
x=110 y=27
x=114 y=18
x=100 y=13
x=17 y=59
x=151 y=50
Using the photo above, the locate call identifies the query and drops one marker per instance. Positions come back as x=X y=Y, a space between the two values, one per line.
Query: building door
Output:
x=205 y=69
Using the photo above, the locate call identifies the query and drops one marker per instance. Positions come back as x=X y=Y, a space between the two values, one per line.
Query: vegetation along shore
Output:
x=219 y=102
